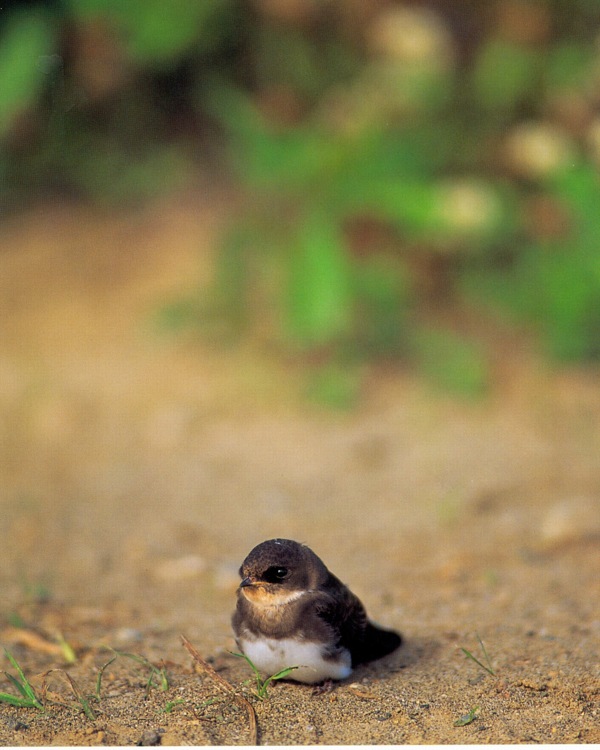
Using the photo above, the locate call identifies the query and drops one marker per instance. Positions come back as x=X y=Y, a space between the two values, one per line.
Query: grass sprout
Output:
x=467 y=718
x=28 y=698
x=100 y=675
x=488 y=665
x=157 y=677
x=67 y=650
x=170 y=705
x=84 y=702
x=81 y=698
x=261 y=685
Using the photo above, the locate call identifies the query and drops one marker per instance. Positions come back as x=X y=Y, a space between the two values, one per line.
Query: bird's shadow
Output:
x=412 y=651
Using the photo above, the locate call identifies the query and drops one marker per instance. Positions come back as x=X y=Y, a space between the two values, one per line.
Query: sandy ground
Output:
x=138 y=468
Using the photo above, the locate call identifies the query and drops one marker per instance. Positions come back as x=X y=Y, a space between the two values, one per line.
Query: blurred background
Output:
x=402 y=172
x=263 y=260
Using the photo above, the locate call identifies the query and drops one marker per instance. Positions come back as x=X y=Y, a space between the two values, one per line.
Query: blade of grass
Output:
x=81 y=698
x=85 y=705
x=257 y=677
x=261 y=684
x=100 y=675
x=487 y=667
x=485 y=653
x=23 y=685
x=277 y=676
x=15 y=683
x=476 y=660
x=283 y=673
x=172 y=704
x=164 y=680
x=14 y=701
x=26 y=687
x=67 y=650
x=161 y=673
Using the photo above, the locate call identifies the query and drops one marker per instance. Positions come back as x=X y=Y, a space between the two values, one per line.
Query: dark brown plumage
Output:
x=292 y=611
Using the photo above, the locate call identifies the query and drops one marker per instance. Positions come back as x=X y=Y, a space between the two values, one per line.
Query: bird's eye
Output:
x=275 y=574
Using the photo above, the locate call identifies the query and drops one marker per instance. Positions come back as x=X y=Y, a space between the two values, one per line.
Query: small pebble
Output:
x=382 y=715
x=16 y=725
x=150 y=738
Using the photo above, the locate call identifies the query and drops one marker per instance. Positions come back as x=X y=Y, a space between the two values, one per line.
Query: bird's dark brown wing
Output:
x=345 y=614
x=376 y=643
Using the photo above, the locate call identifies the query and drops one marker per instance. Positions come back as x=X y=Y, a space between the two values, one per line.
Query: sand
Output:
x=139 y=466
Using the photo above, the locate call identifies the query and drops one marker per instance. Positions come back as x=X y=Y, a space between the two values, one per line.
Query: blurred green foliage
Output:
x=506 y=75
x=26 y=38
x=399 y=167
x=555 y=283
x=154 y=37
x=92 y=94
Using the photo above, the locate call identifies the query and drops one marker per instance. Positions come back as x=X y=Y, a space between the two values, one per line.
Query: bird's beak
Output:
x=246 y=582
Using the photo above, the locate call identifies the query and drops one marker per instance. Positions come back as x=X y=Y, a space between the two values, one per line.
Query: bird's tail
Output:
x=377 y=642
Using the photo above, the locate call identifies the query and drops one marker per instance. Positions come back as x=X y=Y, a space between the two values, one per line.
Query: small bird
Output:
x=291 y=611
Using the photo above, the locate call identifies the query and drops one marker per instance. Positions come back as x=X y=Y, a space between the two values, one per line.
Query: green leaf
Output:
x=24 y=687
x=569 y=65
x=155 y=33
x=261 y=684
x=504 y=73
x=170 y=705
x=283 y=673
x=579 y=187
x=410 y=205
x=27 y=37
x=286 y=161
x=13 y=700
x=29 y=698
x=262 y=690
x=467 y=718
x=267 y=158
x=284 y=55
x=318 y=291
x=16 y=684
x=382 y=298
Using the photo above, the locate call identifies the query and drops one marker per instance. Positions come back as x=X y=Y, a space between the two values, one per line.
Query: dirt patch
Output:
x=139 y=468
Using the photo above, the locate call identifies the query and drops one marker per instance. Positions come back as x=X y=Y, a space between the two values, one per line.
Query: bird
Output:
x=292 y=611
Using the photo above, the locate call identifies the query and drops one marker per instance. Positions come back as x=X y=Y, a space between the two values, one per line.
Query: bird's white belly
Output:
x=271 y=655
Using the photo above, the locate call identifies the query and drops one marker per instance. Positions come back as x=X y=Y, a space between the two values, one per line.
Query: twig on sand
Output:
x=226 y=686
